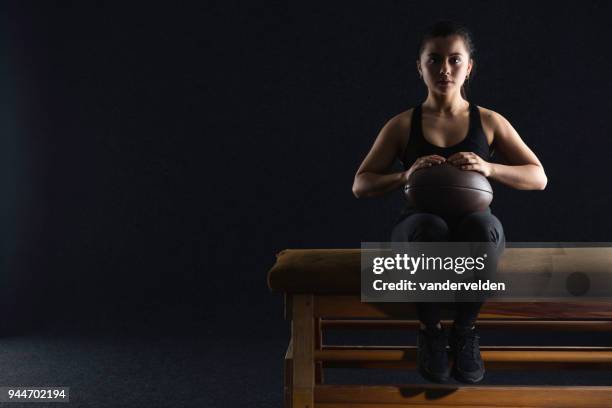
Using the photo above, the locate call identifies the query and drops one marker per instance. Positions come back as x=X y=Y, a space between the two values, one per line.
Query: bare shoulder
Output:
x=492 y=122
x=402 y=120
x=401 y=128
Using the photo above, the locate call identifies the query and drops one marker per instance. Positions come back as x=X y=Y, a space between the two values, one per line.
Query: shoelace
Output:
x=469 y=342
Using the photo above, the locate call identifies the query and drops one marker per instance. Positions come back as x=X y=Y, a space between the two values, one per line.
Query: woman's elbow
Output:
x=357 y=190
x=543 y=184
x=542 y=180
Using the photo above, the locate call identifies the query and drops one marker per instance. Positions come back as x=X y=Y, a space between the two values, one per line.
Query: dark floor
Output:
x=211 y=363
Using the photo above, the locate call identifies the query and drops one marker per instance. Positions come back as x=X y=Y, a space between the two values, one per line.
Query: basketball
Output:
x=448 y=191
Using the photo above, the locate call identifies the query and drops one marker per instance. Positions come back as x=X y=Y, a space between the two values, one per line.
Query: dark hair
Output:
x=446 y=28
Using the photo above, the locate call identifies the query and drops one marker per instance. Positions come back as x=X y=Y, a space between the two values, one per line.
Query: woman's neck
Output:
x=445 y=106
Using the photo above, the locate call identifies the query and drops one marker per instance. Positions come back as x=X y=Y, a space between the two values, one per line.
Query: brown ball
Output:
x=448 y=191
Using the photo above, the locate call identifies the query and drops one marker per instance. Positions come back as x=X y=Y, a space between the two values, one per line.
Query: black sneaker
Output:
x=468 y=366
x=432 y=355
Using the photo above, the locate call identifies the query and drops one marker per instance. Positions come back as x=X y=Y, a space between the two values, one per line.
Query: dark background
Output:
x=156 y=157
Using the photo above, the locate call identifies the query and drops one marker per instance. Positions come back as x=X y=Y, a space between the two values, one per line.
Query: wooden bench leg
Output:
x=288 y=373
x=318 y=347
x=302 y=335
x=288 y=365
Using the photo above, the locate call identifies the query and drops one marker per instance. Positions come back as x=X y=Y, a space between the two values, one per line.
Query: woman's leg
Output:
x=464 y=341
x=423 y=227
x=477 y=227
x=432 y=354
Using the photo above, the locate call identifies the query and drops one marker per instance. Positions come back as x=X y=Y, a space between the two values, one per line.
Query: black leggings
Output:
x=475 y=227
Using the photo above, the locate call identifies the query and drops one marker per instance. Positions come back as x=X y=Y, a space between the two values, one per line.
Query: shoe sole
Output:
x=459 y=377
x=433 y=378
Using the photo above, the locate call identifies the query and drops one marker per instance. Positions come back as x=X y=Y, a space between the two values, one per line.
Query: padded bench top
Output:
x=337 y=271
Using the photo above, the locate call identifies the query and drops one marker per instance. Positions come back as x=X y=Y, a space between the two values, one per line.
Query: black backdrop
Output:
x=156 y=157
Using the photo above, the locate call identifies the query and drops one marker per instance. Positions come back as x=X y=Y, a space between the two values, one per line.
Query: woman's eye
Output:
x=454 y=60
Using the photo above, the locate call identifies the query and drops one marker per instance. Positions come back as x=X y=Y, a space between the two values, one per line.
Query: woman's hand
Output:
x=423 y=162
x=471 y=161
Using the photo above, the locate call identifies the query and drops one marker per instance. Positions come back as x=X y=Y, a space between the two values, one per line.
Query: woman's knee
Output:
x=480 y=227
x=421 y=227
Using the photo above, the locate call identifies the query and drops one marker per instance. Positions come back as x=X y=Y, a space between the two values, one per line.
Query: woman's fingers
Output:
x=454 y=157
x=463 y=158
x=435 y=159
x=428 y=161
x=470 y=161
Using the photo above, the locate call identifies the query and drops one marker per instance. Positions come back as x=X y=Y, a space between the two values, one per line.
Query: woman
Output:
x=446 y=127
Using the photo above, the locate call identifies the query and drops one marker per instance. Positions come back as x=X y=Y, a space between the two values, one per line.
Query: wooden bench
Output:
x=322 y=291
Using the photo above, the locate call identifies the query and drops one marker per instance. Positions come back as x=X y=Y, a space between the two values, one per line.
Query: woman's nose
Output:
x=444 y=68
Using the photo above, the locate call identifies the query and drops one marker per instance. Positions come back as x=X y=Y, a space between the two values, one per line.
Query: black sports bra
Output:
x=417 y=146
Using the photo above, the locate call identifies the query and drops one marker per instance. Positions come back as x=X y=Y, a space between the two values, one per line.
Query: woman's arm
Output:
x=523 y=171
x=372 y=178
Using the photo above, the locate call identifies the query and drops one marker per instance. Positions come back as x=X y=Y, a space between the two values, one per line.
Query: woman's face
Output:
x=444 y=64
